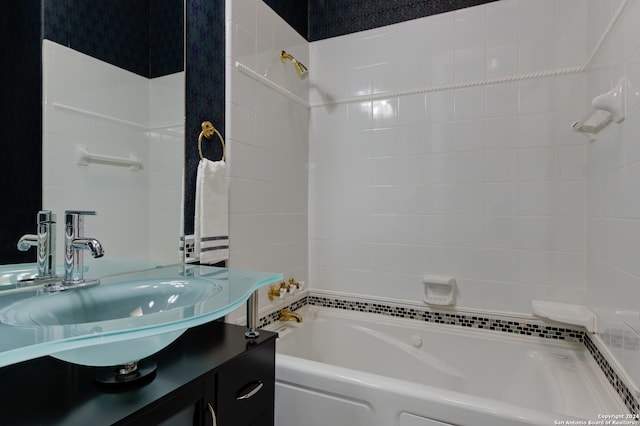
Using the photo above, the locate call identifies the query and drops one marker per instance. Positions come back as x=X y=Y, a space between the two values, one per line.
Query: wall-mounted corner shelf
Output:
x=566 y=313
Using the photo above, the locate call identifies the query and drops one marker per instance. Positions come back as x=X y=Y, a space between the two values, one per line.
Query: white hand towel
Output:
x=211 y=227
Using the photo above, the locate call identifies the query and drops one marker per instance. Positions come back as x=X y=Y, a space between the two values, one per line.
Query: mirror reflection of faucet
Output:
x=45 y=243
x=284 y=289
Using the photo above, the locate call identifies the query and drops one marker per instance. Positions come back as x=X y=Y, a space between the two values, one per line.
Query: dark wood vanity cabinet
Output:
x=211 y=370
x=246 y=387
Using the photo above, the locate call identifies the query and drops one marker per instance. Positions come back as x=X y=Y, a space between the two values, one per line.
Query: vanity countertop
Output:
x=49 y=391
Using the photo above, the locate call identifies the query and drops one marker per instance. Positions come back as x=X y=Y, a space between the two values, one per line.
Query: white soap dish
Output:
x=565 y=312
x=439 y=290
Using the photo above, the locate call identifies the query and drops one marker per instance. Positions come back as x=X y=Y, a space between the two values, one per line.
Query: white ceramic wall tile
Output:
x=501 y=199
x=469 y=199
x=536 y=95
x=536 y=164
x=571 y=198
x=501 y=60
x=570 y=92
x=501 y=165
x=384 y=113
x=412 y=109
x=569 y=269
x=535 y=233
x=569 y=234
x=469 y=28
x=535 y=130
x=535 y=199
x=242 y=13
x=439 y=49
x=441 y=106
x=468 y=135
x=502 y=132
x=571 y=162
x=613 y=182
x=599 y=16
x=122 y=198
x=500 y=232
x=571 y=32
x=469 y=103
x=502 y=23
x=439 y=199
x=408 y=43
x=469 y=64
x=535 y=55
x=631 y=33
x=494 y=154
x=268 y=136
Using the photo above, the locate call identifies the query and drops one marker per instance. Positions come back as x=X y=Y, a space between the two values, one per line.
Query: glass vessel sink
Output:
x=124 y=318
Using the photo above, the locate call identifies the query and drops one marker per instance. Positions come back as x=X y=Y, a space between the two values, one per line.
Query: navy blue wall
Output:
x=20 y=125
x=320 y=19
x=294 y=12
x=205 y=81
x=141 y=36
x=330 y=18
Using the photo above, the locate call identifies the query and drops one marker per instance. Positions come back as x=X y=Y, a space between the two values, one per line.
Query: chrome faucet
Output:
x=74 y=243
x=45 y=241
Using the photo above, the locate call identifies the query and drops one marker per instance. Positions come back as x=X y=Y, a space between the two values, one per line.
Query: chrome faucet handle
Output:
x=74 y=243
x=74 y=223
x=46 y=244
x=45 y=241
x=69 y=214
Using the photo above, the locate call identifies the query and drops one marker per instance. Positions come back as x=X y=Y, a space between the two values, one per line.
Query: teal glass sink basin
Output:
x=110 y=303
x=23 y=274
x=124 y=318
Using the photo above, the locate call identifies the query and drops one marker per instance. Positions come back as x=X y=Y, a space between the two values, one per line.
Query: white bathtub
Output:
x=345 y=368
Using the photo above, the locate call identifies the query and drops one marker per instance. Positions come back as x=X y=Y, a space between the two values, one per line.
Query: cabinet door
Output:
x=246 y=387
x=210 y=416
x=184 y=407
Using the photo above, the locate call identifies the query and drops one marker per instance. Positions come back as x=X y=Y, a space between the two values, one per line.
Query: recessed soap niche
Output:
x=439 y=290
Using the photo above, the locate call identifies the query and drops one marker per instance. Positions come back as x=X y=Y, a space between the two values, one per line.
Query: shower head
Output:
x=301 y=70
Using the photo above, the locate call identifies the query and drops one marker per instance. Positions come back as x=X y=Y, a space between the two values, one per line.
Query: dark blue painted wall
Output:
x=321 y=19
x=141 y=36
x=20 y=125
x=330 y=18
x=205 y=82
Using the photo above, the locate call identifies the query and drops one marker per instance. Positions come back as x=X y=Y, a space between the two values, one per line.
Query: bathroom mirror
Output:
x=101 y=94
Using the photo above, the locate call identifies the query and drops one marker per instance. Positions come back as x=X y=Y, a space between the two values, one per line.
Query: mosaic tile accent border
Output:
x=485 y=322
x=621 y=388
x=451 y=318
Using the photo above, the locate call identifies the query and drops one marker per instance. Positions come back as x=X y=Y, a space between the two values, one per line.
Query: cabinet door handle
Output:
x=213 y=414
x=254 y=390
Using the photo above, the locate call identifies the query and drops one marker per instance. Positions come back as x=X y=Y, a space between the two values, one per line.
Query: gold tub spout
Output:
x=287 y=315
